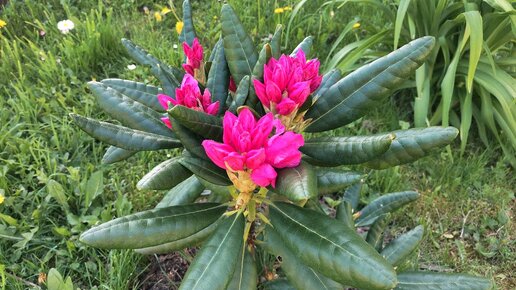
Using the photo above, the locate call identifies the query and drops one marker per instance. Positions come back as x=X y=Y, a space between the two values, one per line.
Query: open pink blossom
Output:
x=287 y=82
x=194 y=56
x=189 y=95
x=255 y=147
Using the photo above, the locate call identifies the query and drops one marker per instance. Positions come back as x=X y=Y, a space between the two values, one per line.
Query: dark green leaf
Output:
x=215 y=264
x=188 y=32
x=305 y=45
x=140 y=92
x=208 y=126
x=153 y=227
x=241 y=94
x=114 y=154
x=123 y=137
x=246 y=274
x=297 y=183
x=328 y=80
x=301 y=276
x=276 y=42
x=355 y=95
x=94 y=187
x=330 y=179
x=376 y=231
x=184 y=193
x=399 y=249
x=191 y=141
x=352 y=194
x=238 y=45
x=384 y=204
x=345 y=214
x=218 y=77
x=278 y=284
x=206 y=170
x=331 y=247
x=165 y=175
x=412 y=144
x=263 y=58
x=347 y=150
x=441 y=281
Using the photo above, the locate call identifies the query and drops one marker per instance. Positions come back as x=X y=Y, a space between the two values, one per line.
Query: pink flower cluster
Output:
x=252 y=147
x=287 y=83
x=189 y=95
x=194 y=56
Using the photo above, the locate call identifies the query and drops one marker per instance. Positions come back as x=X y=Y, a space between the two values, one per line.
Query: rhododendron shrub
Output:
x=245 y=184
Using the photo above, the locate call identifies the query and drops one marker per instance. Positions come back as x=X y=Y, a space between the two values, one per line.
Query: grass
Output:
x=55 y=186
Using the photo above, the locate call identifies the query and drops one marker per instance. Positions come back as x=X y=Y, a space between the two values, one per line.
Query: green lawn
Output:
x=55 y=186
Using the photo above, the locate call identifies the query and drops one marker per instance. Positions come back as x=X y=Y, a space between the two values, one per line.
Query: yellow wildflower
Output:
x=165 y=10
x=356 y=25
x=158 y=17
x=287 y=8
x=179 y=26
x=279 y=10
x=2 y=198
x=2 y=23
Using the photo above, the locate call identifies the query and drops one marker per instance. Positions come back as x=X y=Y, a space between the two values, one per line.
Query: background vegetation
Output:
x=55 y=187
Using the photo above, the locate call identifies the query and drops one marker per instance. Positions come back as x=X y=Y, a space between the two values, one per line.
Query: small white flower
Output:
x=131 y=67
x=65 y=26
x=174 y=46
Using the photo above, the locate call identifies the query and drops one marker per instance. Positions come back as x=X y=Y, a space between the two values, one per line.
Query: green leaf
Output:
x=278 y=284
x=56 y=190
x=129 y=112
x=328 y=80
x=56 y=282
x=190 y=241
x=94 y=187
x=400 y=16
x=305 y=45
x=218 y=77
x=263 y=58
x=301 y=276
x=191 y=141
x=347 y=150
x=184 y=193
x=399 y=249
x=165 y=175
x=123 y=137
x=276 y=42
x=352 y=194
x=412 y=144
x=208 y=126
x=214 y=265
x=140 y=92
x=441 y=281
x=153 y=227
x=238 y=45
x=241 y=94
x=114 y=154
x=218 y=193
x=384 y=204
x=355 y=95
x=188 y=32
x=376 y=231
x=206 y=170
x=297 y=183
x=330 y=180
x=345 y=214
x=331 y=247
x=246 y=274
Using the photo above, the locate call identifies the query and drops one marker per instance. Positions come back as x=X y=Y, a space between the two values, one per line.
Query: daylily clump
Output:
x=189 y=95
x=287 y=83
x=252 y=150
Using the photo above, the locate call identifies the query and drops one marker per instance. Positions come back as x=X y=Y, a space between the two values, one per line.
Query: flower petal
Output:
x=283 y=150
x=255 y=158
x=234 y=161
x=164 y=100
x=217 y=152
x=264 y=175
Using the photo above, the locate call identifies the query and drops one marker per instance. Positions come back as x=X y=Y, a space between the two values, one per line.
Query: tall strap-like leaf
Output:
x=189 y=241
x=188 y=32
x=124 y=137
x=347 y=150
x=412 y=144
x=206 y=170
x=330 y=180
x=300 y=276
x=214 y=265
x=441 y=281
x=399 y=249
x=129 y=112
x=208 y=126
x=153 y=227
x=246 y=274
x=238 y=45
x=114 y=154
x=218 y=77
x=298 y=183
x=353 y=96
x=140 y=92
x=165 y=175
x=384 y=204
x=331 y=247
x=184 y=193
